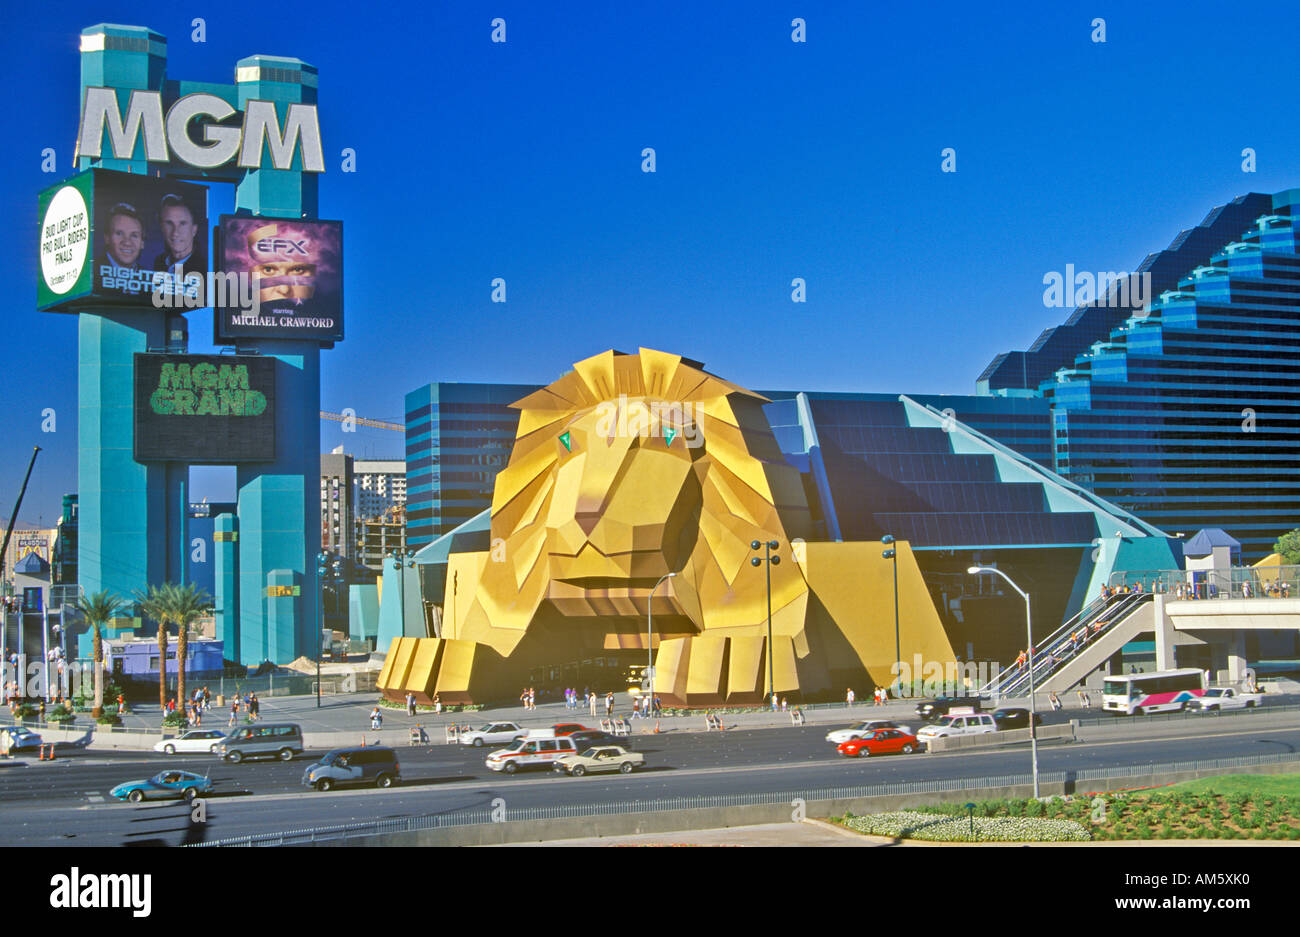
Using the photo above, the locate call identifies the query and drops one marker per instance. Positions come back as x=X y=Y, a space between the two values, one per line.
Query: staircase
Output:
x=1079 y=646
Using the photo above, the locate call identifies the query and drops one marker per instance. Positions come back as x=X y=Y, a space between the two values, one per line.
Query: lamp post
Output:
x=769 y=560
x=649 y=637
x=891 y=553
x=322 y=559
x=1029 y=632
x=401 y=563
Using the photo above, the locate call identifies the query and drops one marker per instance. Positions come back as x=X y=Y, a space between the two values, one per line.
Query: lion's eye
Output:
x=567 y=440
x=670 y=433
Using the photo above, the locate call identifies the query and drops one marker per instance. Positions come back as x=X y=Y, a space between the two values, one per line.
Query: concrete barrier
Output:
x=1055 y=733
x=712 y=818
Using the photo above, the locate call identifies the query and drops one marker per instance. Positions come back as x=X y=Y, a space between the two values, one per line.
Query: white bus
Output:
x=1162 y=691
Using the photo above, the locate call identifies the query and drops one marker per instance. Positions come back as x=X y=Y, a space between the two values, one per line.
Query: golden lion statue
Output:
x=643 y=475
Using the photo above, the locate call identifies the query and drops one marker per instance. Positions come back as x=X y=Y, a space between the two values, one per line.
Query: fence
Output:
x=1249 y=582
x=489 y=815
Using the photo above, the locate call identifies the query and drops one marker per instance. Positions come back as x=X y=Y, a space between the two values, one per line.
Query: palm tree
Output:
x=157 y=604
x=182 y=606
x=189 y=603
x=99 y=609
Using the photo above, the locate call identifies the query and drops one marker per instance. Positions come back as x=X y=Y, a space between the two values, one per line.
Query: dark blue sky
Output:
x=775 y=160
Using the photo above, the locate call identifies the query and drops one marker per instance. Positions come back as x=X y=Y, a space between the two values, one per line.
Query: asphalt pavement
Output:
x=65 y=802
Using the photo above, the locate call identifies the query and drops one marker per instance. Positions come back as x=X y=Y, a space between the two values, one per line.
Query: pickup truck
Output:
x=1224 y=698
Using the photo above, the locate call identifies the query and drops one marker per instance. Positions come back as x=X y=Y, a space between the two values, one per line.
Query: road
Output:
x=66 y=802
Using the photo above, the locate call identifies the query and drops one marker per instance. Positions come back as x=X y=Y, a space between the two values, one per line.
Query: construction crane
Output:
x=362 y=421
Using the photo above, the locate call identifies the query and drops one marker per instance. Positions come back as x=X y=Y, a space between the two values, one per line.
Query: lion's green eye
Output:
x=670 y=433
x=568 y=442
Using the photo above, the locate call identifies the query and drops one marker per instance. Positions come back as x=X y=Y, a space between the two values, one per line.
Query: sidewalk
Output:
x=345 y=719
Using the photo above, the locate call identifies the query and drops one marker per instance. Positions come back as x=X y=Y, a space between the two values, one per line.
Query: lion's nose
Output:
x=587 y=520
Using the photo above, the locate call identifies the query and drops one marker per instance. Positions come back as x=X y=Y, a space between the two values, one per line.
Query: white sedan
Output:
x=863 y=729
x=195 y=740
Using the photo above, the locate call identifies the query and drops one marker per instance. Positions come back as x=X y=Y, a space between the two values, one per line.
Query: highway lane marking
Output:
x=546 y=778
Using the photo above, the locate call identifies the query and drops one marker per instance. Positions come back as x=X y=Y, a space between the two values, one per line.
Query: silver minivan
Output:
x=281 y=741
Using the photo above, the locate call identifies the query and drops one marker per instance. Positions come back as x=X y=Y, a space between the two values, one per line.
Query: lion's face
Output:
x=630 y=468
x=624 y=485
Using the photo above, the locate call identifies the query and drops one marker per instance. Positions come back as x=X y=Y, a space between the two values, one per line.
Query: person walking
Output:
x=254 y=707
x=848 y=697
x=609 y=704
x=591 y=703
x=410 y=704
x=234 y=711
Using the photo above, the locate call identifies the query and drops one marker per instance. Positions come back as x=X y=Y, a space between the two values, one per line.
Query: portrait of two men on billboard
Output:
x=153 y=239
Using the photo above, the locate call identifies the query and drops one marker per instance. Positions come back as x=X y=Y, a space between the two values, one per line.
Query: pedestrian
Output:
x=207 y=699
x=410 y=704
x=591 y=702
x=376 y=719
x=1083 y=698
x=609 y=704
x=658 y=708
x=254 y=708
x=437 y=705
x=121 y=704
x=234 y=710
x=1054 y=700
x=848 y=697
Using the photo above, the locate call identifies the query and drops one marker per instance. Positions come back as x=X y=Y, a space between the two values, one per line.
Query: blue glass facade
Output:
x=458 y=436
x=1190 y=416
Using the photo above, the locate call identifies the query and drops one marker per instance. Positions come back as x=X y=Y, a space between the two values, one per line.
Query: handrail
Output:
x=1061 y=646
x=1012 y=674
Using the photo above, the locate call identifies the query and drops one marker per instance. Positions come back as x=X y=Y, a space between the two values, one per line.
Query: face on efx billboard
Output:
x=204 y=408
x=294 y=274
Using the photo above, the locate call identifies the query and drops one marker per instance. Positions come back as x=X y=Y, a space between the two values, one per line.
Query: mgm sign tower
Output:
x=124 y=247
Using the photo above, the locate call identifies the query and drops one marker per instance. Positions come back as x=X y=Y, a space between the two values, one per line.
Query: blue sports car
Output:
x=166 y=785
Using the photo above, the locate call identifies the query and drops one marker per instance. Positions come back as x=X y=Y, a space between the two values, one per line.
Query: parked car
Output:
x=18 y=739
x=590 y=737
x=195 y=740
x=863 y=729
x=274 y=741
x=1012 y=718
x=370 y=764
x=165 y=785
x=880 y=742
x=930 y=710
x=494 y=733
x=600 y=758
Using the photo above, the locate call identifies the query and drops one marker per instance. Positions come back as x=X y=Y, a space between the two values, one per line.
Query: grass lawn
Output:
x=1235 y=806
x=1262 y=785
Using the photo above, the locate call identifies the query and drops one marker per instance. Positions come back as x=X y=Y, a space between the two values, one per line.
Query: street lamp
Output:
x=321 y=560
x=891 y=553
x=769 y=560
x=649 y=637
x=1029 y=632
x=401 y=560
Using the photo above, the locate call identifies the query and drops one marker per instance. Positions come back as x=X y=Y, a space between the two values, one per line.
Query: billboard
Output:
x=218 y=409
x=115 y=238
x=294 y=274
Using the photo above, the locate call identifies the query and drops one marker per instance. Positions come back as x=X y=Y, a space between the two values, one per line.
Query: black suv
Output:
x=932 y=709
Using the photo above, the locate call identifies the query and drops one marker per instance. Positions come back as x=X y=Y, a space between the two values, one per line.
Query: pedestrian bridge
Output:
x=1088 y=641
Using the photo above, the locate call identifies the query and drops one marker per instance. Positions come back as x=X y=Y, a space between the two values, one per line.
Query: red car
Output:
x=568 y=728
x=882 y=742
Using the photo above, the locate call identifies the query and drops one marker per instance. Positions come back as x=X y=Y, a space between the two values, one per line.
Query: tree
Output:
x=189 y=604
x=170 y=604
x=157 y=604
x=1289 y=546
x=98 y=610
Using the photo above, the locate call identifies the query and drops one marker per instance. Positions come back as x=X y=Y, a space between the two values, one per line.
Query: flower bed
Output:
x=913 y=824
